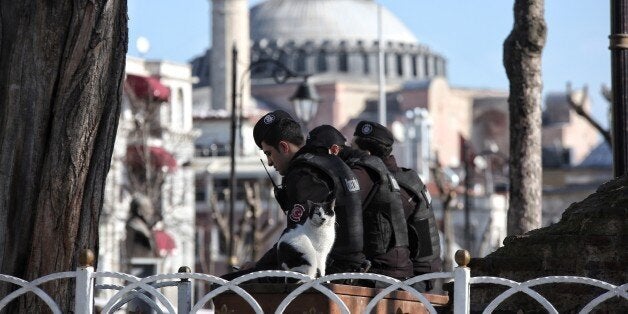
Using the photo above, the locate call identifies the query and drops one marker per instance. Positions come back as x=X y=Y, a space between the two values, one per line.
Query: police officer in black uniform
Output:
x=308 y=174
x=347 y=253
x=423 y=233
x=385 y=231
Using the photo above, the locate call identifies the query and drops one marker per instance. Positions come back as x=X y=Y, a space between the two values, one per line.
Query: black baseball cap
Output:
x=268 y=123
x=325 y=136
x=375 y=131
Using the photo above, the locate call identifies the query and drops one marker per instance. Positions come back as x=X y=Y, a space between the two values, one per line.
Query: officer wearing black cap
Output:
x=323 y=142
x=308 y=175
x=423 y=234
x=385 y=233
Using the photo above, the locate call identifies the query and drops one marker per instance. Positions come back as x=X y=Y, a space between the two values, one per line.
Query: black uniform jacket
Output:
x=300 y=184
x=425 y=249
x=395 y=262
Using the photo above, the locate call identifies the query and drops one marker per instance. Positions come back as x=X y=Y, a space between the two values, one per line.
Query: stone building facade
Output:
x=166 y=87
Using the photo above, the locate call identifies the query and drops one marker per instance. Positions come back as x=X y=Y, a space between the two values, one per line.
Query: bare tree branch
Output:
x=607 y=93
x=218 y=217
x=578 y=106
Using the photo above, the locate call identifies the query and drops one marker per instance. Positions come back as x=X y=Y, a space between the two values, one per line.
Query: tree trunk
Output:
x=522 y=60
x=61 y=70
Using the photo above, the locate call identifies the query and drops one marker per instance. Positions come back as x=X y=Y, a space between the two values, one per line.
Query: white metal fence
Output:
x=148 y=289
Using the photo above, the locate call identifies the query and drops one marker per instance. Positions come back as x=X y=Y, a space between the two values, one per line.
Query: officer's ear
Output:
x=283 y=147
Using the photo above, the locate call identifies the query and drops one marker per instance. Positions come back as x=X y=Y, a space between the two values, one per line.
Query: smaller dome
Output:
x=325 y=20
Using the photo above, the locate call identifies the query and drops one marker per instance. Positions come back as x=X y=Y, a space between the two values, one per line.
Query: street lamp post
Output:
x=305 y=102
x=619 y=64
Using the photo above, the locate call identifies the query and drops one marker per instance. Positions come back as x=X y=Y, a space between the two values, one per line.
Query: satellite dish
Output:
x=398 y=131
x=143 y=45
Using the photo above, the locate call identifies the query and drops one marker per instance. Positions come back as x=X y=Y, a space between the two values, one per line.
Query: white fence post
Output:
x=184 y=290
x=462 y=276
x=84 y=291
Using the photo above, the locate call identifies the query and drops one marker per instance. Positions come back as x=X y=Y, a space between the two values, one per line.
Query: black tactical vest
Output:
x=384 y=219
x=422 y=229
x=348 y=209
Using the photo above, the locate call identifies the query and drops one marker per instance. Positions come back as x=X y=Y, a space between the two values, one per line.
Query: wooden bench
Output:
x=269 y=296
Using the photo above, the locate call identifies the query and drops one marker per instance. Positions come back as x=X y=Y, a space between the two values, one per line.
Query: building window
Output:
x=399 y=65
x=321 y=61
x=300 y=61
x=365 y=63
x=343 y=62
x=283 y=57
x=178 y=114
x=414 y=67
x=426 y=64
x=386 y=64
x=200 y=189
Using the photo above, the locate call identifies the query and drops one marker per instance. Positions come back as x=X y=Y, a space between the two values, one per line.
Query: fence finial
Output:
x=462 y=257
x=86 y=258
x=184 y=269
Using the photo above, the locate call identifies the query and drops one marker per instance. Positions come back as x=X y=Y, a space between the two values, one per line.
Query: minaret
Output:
x=230 y=25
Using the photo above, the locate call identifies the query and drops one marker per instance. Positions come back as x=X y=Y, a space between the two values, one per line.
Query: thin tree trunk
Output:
x=61 y=69
x=522 y=60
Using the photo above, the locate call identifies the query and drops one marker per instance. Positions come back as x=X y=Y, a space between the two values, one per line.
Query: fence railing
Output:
x=148 y=289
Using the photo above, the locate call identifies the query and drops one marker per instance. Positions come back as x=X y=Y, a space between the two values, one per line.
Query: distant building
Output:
x=337 y=43
x=575 y=161
x=165 y=88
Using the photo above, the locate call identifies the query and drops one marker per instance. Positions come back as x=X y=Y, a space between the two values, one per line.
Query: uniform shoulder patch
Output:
x=296 y=213
x=352 y=184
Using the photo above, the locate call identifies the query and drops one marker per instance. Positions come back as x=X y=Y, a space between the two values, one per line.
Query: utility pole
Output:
x=467 y=190
x=232 y=177
x=619 y=67
x=381 y=67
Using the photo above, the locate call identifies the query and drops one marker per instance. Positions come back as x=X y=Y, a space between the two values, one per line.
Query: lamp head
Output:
x=305 y=101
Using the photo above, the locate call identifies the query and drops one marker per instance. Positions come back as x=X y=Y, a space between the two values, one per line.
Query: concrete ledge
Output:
x=269 y=296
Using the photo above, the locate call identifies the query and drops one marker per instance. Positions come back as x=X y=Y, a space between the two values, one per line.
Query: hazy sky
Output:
x=469 y=34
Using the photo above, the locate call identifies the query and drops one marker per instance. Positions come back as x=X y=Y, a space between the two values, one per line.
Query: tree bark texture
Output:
x=522 y=59
x=61 y=70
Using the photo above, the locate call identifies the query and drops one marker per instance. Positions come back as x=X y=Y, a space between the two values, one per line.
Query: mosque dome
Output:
x=325 y=20
x=335 y=40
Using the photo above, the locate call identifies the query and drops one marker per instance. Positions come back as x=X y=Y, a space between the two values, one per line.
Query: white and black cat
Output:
x=304 y=249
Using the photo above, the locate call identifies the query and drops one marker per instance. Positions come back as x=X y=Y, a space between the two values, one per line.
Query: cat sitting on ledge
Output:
x=304 y=249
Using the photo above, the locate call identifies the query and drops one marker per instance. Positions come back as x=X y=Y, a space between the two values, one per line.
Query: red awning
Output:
x=146 y=87
x=164 y=242
x=159 y=157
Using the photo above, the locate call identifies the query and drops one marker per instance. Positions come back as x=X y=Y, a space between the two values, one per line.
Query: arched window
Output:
x=321 y=61
x=385 y=64
x=426 y=65
x=343 y=61
x=284 y=58
x=415 y=71
x=399 y=59
x=300 y=61
x=365 y=63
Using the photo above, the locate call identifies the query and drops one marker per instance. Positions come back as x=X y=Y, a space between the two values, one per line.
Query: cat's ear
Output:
x=310 y=204
x=333 y=203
